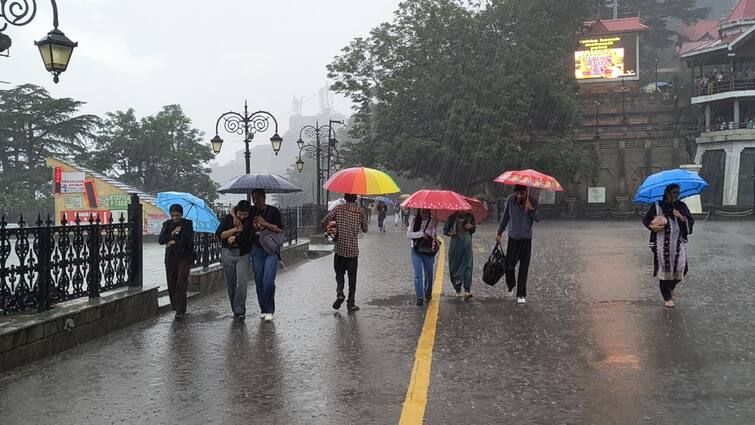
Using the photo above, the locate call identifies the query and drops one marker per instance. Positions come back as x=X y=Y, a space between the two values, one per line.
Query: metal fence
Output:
x=44 y=264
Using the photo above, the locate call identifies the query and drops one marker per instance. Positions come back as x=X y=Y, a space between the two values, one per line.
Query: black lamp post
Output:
x=316 y=151
x=248 y=125
x=55 y=47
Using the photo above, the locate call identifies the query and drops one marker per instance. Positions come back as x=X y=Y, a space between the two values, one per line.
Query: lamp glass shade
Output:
x=300 y=144
x=56 y=50
x=337 y=164
x=217 y=144
x=276 y=141
x=299 y=165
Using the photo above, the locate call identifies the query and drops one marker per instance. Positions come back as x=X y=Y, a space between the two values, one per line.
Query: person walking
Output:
x=235 y=234
x=396 y=215
x=460 y=227
x=519 y=214
x=671 y=221
x=423 y=234
x=382 y=214
x=177 y=235
x=265 y=218
x=349 y=219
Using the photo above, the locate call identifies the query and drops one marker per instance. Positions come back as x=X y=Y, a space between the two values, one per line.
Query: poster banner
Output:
x=114 y=202
x=547 y=197
x=596 y=195
x=116 y=214
x=154 y=224
x=84 y=215
x=73 y=202
x=72 y=182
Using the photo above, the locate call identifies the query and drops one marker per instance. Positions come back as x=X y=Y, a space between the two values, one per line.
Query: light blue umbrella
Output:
x=203 y=218
x=386 y=200
x=651 y=190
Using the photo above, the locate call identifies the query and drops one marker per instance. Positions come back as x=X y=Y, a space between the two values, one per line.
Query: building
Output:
x=723 y=68
x=82 y=192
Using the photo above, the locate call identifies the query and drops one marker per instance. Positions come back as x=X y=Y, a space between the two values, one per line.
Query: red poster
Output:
x=58 y=180
x=70 y=216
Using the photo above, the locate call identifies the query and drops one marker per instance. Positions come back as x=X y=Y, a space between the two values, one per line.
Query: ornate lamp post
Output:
x=248 y=125
x=55 y=47
x=316 y=151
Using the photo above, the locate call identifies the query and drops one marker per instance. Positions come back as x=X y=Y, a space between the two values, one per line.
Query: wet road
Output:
x=593 y=345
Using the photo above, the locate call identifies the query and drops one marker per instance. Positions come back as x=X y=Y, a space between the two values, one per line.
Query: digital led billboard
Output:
x=606 y=57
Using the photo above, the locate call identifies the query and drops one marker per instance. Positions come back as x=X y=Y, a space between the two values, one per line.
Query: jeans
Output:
x=423 y=274
x=343 y=265
x=265 y=267
x=666 y=287
x=236 y=270
x=518 y=250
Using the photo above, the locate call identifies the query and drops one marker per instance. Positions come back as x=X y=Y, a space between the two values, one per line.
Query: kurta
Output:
x=670 y=245
x=460 y=253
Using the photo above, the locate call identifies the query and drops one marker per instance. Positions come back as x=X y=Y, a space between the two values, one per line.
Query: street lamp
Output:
x=248 y=125
x=316 y=151
x=55 y=47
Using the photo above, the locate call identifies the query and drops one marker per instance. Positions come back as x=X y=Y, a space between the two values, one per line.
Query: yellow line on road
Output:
x=416 y=395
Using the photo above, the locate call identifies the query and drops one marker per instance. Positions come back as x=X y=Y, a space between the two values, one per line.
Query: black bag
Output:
x=426 y=246
x=495 y=267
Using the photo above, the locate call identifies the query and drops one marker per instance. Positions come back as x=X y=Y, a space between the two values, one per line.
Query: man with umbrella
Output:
x=520 y=212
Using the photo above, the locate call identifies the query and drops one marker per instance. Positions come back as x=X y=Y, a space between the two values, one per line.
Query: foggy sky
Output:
x=207 y=56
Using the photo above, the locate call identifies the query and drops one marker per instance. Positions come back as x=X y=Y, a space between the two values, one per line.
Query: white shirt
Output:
x=430 y=231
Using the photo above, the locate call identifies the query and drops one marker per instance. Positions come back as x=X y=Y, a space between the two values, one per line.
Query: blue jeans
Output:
x=423 y=274
x=265 y=268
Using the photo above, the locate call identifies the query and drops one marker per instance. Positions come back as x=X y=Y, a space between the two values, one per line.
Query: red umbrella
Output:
x=478 y=211
x=529 y=178
x=437 y=200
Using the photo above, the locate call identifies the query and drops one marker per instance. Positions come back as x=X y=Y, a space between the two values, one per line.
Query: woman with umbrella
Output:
x=423 y=234
x=670 y=221
x=177 y=235
x=460 y=227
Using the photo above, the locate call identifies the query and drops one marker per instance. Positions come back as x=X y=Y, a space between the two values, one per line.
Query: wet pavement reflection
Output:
x=593 y=345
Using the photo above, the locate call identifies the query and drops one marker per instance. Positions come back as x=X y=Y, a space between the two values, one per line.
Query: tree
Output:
x=457 y=94
x=33 y=127
x=155 y=154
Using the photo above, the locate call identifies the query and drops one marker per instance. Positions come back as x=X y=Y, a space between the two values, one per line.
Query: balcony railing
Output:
x=725 y=86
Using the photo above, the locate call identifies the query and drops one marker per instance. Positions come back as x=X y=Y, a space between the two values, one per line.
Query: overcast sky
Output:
x=207 y=56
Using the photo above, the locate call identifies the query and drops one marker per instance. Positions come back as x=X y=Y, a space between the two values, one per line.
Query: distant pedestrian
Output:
x=235 y=234
x=265 y=218
x=460 y=227
x=671 y=221
x=423 y=234
x=177 y=235
x=382 y=214
x=405 y=214
x=349 y=220
x=396 y=215
x=519 y=213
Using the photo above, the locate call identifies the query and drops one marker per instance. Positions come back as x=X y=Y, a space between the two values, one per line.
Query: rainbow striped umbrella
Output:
x=361 y=181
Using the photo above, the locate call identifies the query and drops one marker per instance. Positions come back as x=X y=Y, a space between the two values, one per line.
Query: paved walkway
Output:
x=593 y=345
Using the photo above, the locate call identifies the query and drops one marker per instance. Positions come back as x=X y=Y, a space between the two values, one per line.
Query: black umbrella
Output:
x=271 y=183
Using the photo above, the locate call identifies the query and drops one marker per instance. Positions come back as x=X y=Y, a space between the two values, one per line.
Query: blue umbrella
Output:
x=652 y=188
x=203 y=218
x=271 y=183
x=386 y=200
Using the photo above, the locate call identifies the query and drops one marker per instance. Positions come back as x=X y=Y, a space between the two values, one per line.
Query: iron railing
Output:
x=724 y=86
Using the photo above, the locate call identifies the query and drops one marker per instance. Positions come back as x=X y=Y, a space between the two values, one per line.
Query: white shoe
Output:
x=511 y=292
x=459 y=294
x=521 y=300
x=268 y=317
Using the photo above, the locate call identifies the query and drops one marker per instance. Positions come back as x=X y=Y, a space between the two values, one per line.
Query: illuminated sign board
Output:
x=606 y=58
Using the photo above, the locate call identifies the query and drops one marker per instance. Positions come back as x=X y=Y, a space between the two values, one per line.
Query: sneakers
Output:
x=521 y=300
x=420 y=301
x=267 y=317
x=459 y=294
x=352 y=308
x=339 y=302
x=670 y=304
x=467 y=296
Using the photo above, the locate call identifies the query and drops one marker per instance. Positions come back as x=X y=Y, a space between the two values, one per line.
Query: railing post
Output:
x=136 y=238
x=43 y=264
x=205 y=251
x=93 y=242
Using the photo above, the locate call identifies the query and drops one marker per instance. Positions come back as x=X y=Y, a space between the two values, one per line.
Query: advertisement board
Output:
x=84 y=215
x=72 y=182
x=547 y=197
x=596 y=195
x=73 y=202
x=606 y=58
x=114 y=202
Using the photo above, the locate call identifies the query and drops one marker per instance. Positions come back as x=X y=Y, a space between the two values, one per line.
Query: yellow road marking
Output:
x=416 y=395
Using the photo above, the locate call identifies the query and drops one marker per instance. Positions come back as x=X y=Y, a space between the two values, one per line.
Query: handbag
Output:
x=426 y=246
x=271 y=242
x=495 y=267
x=660 y=220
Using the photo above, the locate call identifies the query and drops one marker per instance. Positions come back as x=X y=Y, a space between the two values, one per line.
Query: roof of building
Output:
x=700 y=30
x=744 y=10
x=144 y=197
x=615 y=26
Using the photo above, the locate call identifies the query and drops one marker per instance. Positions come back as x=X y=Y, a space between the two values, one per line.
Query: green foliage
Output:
x=157 y=153
x=458 y=94
x=33 y=127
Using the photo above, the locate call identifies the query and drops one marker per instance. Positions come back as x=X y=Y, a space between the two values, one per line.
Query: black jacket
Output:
x=243 y=239
x=184 y=247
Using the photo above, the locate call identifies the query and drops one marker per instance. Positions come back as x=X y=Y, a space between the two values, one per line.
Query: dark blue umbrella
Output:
x=270 y=183
x=652 y=188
